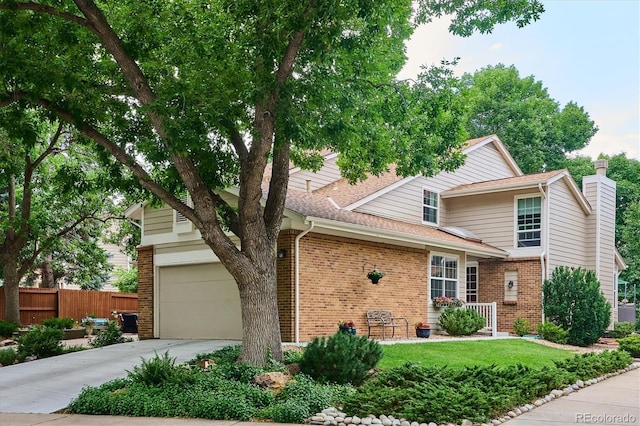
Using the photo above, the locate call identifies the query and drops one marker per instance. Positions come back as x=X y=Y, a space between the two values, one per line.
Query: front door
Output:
x=472 y=282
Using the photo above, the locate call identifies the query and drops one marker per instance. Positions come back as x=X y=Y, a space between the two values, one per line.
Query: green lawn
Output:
x=472 y=352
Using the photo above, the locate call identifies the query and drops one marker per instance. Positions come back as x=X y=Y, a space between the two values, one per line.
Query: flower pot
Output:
x=423 y=332
x=374 y=280
x=345 y=329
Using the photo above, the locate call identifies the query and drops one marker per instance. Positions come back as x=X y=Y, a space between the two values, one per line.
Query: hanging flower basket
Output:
x=375 y=276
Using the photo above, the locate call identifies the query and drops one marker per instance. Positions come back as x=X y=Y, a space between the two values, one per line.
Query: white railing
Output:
x=488 y=312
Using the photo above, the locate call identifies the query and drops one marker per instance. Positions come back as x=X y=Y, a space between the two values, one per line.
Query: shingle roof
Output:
x=506 y=182
x=313 y=205
x=344 y=194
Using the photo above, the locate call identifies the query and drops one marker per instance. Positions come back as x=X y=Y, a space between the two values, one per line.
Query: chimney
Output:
x=308 y=185
x=601 y=167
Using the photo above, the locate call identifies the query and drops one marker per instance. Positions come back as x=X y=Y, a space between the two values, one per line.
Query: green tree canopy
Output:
x=50 y=207
x=519 y=110
x=200 y=96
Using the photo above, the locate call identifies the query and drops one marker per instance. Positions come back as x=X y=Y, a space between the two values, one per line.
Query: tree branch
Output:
x=41 y=8
x=14 y=97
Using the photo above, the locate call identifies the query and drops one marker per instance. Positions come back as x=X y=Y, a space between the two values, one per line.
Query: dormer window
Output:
x=429 y=207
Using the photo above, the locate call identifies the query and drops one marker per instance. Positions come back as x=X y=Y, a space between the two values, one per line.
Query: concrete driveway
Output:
x=50 y=384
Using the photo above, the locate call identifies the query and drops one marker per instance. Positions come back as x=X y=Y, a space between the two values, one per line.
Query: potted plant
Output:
x=375 y=276
x=447 y=302
x=422 y=329
x=88 y=323
x=347 y=327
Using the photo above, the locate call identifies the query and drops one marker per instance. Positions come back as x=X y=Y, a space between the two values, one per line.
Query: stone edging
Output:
x=333 y=417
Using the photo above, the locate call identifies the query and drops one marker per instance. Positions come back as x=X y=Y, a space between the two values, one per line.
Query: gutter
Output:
x=297 y=281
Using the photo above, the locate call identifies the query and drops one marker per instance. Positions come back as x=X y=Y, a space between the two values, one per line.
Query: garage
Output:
x=198 y=302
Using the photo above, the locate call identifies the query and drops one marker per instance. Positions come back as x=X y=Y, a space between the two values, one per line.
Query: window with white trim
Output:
x=472 y=283
x=529 y=222
x=444 y=276
x=429 y=206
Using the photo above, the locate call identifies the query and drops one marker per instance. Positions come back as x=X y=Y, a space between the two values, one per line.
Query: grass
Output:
x=472 y=352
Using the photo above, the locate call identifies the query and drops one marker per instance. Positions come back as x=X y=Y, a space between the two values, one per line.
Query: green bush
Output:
x=342 y=358
x=126 y=280
x=41 y=342
x=591 y=365
x=553 y=333
x=479 y=393
x=8 y=328
x=111 y=335
x=302 y=398
x=160 y=370
x=623 y=329
x=9 y=356
x=59 y=323
x=631 y=345
x=461 y=322
x=572 y=300
x=522 y=326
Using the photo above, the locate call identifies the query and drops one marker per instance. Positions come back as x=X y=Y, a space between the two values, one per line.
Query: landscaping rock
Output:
x=538 y=402
x=356 y=420
x=575 y=387
x=580 y=383
x=512 y=414
x=466 y=422
x=366 y=421
x=274 y=380
x=8 y=342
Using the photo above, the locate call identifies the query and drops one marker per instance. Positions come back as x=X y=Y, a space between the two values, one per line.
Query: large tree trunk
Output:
x=46 y=271
x=11 y=290
x=260 y=322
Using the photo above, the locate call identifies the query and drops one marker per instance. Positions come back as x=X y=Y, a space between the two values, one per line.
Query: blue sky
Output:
x=586 y=51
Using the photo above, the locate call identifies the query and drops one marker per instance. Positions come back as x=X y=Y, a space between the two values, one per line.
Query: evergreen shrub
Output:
x=553 y=333
x=59 y=323
x=342 y=358
x=573 y=300
x=461 y=322
x=8 y=328
x=631 y=345
x=521 y=326
x=41 y=342
x=111 y=335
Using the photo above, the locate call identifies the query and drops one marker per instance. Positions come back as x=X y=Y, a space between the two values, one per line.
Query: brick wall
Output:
x=145 y=292
x=491 y=288
x=334 y=286
x=285 y=270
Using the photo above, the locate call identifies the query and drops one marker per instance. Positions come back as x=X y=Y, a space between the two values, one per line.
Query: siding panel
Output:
x=567 y=225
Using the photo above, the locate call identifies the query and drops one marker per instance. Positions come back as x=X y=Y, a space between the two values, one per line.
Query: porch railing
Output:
x=488 y=312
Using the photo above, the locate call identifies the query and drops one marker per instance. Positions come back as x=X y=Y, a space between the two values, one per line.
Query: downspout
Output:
x=297 y=280
x=543 y=268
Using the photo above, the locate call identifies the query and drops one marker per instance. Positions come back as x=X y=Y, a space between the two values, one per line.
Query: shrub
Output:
x=522 y=326
x=160 y=370
x=9 y=356
x=59 y=323
x=126 y=280
x=8 y=328
x=591 y=365
x=631 y=345
x=342 y=358
x=572 y=300
x=553 y=333
x=461 y=322
x=109 y=336
x=41 y=342
x=623 y=329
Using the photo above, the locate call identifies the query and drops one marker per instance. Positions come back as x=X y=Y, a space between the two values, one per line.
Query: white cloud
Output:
x=496 y=46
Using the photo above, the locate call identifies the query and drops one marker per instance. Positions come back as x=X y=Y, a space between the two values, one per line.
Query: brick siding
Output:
x=145 y=292
x=491 y=289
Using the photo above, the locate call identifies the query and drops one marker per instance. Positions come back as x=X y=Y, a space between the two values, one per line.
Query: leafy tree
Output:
x=196 y=97
x=48 y=200
x=573 y=301
x=520 y=111
x=126 y=280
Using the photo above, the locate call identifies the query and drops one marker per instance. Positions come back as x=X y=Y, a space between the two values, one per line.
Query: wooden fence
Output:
x=37 y=304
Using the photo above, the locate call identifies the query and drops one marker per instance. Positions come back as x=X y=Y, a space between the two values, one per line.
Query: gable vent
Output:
x=180 y=218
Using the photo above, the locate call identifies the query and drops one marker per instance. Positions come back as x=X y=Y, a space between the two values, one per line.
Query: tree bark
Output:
x=11 y=290
x=260 y=322
x=46 y=272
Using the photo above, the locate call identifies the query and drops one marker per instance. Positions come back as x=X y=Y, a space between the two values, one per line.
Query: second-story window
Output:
x=429 y=206
x=529 y=222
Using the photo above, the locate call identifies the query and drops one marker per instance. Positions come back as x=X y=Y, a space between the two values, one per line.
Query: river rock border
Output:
x=333 y=417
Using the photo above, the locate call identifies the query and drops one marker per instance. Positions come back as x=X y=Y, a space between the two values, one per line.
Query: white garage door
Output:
x=198 y=302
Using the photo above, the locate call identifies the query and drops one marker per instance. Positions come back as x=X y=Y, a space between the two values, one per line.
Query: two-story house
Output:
x=483 y=233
